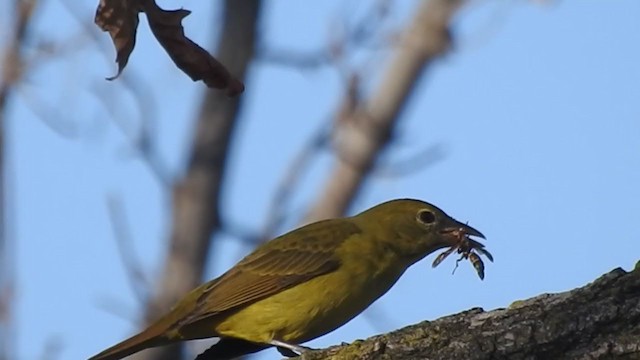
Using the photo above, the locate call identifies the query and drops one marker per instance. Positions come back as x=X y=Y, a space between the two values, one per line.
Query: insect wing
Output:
x=443 y=256
x=486 y=253
x=477 y=263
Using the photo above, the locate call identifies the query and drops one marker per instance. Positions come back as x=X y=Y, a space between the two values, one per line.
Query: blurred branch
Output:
x=196 y=197
x=116 y=307
x=135 y=275
x=142 y=141
x=369 y=130
x=360 y=34
x=370 y=24
x=301 y=60
x=12 y=65
x=416 y=162
x=276 y=214
x=47 y=113
x=12 y=70
x=16 y=65
x=240 y=232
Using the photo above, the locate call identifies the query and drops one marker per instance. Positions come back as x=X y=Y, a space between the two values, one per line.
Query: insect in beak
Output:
x=459 y=236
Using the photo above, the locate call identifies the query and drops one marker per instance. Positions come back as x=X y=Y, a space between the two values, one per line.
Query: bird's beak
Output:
x=456 y=230
x=470 y=231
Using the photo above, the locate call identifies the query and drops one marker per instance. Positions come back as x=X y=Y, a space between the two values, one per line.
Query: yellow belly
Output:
x=313 y=308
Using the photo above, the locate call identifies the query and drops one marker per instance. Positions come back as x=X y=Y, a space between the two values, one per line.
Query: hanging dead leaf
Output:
x=120 y=19
x=195 y=61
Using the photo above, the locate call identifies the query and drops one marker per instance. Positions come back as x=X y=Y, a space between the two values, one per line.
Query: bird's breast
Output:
x=320 y=305
x=343 y=295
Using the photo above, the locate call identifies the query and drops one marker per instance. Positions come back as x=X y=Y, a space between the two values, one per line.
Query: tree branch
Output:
x=598 y=321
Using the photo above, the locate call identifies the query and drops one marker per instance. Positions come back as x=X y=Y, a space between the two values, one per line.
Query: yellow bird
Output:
x=306 y=283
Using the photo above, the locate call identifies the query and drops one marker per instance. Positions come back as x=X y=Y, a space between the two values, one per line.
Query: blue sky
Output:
x=536 y=112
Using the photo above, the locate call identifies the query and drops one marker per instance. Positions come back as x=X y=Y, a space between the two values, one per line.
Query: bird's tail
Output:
x=151 y=337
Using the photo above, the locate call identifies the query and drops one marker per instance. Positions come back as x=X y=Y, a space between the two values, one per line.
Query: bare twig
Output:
x=16 y=65
x=137 y=279
x=301 y=60
x=359 y=35
x=117 y=308
x=416 y=162
x=48 y=114
x=240 y=232
x=426 y=39
x=142 y=140
x=367 y=29
x=276 y=214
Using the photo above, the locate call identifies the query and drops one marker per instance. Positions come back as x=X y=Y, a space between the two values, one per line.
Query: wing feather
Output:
x=284 y=262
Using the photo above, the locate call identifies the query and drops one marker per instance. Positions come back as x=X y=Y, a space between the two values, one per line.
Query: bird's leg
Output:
x=289 y=350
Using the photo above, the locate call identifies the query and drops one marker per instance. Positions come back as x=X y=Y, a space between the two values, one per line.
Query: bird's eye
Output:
x=426 y=216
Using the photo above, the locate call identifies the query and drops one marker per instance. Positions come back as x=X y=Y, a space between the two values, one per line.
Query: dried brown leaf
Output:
x=120 y=19
x=195 y=61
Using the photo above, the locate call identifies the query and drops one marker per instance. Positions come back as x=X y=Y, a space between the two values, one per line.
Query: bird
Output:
x=305 y=283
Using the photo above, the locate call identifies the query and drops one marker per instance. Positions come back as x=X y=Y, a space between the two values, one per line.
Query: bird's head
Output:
x=413 y=228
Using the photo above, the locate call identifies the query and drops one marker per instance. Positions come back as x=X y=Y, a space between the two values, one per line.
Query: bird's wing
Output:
x=287 y=261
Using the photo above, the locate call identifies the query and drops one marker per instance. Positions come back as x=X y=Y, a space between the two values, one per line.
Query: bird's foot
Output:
x=289 y=350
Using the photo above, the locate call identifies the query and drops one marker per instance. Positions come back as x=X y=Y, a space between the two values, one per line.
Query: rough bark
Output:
x=598 y=321
x=196 y=197
x=367 y=131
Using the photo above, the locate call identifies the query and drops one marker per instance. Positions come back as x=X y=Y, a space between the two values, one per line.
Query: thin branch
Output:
x=240 y=232
x=276 y=214
x=425 y=40
x=310 y=60
x=16 y=65
x=122 y=234
x=47 y=113
x=362 y=34
x=368 y=28
x=117 y=308
x=141 y=141
x=419 y=161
